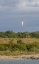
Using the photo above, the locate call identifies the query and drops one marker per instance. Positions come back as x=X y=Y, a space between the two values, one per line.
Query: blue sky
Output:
x=13 y=11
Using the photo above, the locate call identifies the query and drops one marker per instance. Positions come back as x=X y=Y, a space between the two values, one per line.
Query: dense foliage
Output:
x=11 y=34
x=20 y=46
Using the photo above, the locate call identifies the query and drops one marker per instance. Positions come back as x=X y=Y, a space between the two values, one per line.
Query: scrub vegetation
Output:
x=12 y=43
x=11 y=34
x=19 y=47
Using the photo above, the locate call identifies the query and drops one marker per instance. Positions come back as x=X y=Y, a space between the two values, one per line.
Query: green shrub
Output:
x=19 y=41
x=32 y=46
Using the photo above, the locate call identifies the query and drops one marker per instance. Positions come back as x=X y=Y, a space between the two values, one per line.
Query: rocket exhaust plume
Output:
x=22 y=23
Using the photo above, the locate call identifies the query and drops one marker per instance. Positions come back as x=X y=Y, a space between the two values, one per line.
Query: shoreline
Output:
x=20 y=57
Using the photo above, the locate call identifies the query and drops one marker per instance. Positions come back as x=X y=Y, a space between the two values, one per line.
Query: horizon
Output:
x=20 y=31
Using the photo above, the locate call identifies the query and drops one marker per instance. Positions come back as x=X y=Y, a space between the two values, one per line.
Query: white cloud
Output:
x=16 y=5
x=28 y=3
x=19 y=6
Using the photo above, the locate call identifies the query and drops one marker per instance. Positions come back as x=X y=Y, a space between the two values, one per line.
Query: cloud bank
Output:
x=13 y=11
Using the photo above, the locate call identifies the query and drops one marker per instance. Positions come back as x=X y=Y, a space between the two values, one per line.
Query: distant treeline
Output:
x=11 y=34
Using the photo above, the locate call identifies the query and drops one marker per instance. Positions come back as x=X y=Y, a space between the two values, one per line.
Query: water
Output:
x=20 y=62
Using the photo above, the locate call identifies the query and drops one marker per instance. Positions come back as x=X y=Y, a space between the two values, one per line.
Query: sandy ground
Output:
x=23 y=57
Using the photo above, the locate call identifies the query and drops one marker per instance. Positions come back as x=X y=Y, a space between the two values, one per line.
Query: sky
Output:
x=12 y=12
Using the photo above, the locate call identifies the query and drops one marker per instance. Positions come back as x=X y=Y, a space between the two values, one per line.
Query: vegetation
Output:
x=19 y=46
x=11 y=34
x=23 y=43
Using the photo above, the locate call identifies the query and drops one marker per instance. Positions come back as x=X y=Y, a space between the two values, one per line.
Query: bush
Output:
x=3 y=47
x=32 y=46
x=18 y=46
x=19 y=41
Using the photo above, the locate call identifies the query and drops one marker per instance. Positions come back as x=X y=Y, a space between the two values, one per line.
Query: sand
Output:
x=22 y=57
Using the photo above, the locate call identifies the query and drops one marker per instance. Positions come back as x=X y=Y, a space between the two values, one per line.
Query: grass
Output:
x=28 y=46
x=25 y=40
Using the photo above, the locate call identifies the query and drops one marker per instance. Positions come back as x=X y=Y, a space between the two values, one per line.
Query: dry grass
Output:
x=25 y=40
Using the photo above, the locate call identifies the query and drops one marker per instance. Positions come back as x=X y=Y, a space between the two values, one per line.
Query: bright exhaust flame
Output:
x=22 y=23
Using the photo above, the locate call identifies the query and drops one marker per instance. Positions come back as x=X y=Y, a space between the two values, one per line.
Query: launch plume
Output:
x=22 y=23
